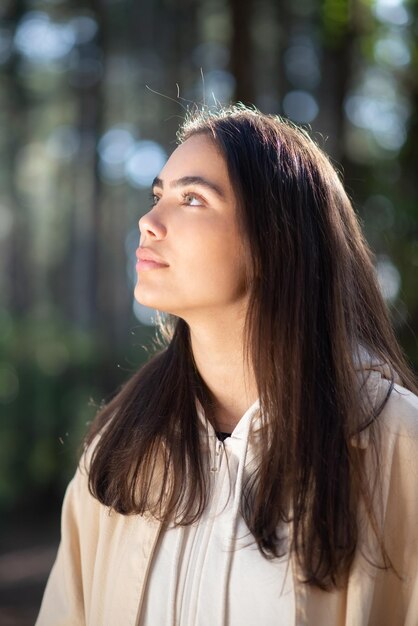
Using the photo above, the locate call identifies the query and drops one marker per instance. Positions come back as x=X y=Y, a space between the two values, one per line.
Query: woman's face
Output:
x=192 y=258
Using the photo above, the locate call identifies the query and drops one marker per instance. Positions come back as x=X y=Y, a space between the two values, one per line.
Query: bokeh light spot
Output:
x=392 y=50
x=85 y=28
x=41 y=40
x=300 y=106
x=389 y=278
x=144 y=163
x=380 y=108
x=301 y=64
x=391 y=12
x=63 y=143
x=114 y=148
x=218 y=85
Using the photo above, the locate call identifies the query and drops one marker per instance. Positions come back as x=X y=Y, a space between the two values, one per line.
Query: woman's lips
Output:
x=148 y=260
x=142 y=265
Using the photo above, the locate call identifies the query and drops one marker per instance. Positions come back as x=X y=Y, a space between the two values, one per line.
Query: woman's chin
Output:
x=146 y=298
x=142 y=296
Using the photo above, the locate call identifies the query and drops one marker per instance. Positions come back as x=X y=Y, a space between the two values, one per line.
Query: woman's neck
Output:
x=218 y=351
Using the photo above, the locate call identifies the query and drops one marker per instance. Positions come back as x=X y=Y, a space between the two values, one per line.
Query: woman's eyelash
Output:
x=184 y=196
x=190 y=194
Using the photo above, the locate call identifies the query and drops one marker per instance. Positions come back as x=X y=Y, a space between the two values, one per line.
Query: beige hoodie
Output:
x=104 y=558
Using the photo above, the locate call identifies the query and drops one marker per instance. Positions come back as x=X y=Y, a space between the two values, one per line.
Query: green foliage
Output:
x=52 y=379
x=335 y=20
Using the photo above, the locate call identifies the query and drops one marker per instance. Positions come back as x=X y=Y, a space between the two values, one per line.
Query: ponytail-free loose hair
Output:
x=314 y=309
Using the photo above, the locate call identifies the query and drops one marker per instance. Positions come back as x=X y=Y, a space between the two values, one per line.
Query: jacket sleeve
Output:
x=396 y=591
x=66 y=597
x=377 y=595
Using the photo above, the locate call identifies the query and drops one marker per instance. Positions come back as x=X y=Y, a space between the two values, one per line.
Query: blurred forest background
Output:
x=81 y=139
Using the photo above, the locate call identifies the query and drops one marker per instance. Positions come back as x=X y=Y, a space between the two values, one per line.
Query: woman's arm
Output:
x=66 y=596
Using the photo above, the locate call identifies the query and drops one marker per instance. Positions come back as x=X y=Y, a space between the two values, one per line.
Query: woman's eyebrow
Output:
x=191 y=180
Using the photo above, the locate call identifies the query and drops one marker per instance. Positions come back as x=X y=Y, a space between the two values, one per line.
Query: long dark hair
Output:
x=314 y=306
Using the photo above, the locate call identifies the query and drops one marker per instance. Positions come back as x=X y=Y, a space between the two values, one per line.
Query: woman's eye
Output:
x=154 y=199
x=192 y=200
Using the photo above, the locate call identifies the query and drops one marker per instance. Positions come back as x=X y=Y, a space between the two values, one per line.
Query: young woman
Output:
x=263 y=467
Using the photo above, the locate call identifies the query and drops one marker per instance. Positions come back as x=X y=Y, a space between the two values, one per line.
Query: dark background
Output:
x=81 y=139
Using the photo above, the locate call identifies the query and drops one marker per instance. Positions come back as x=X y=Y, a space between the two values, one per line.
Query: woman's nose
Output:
x=151 y=226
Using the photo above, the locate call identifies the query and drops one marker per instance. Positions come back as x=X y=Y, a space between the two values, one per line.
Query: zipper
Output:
x=217 y=457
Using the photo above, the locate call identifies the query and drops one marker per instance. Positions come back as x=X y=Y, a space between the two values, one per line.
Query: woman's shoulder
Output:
x=399 y=416
x=78 y=495
x=392 y=407
x=83 y=512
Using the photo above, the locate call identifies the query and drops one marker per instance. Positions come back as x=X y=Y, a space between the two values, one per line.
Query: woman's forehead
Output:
x=196 y=156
